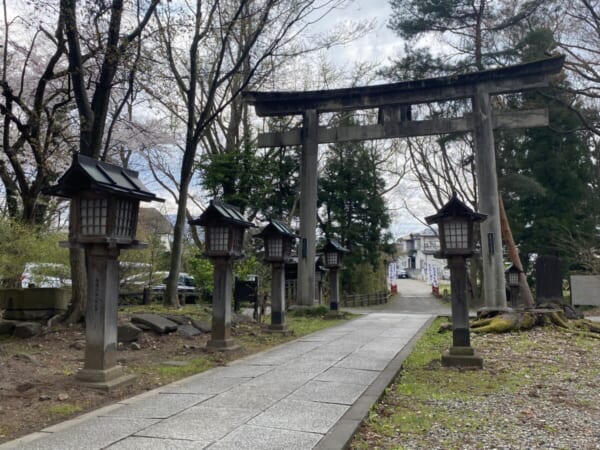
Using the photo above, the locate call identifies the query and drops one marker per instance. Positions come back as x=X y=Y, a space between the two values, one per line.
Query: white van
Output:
x=45 y=275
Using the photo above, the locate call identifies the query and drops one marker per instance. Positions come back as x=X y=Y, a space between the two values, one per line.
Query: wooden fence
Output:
x=377 y=298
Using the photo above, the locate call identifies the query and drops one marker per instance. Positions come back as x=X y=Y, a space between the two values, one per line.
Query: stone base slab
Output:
x=278 y=329
x=222 y=345
x=105 y=380
x=462 y=357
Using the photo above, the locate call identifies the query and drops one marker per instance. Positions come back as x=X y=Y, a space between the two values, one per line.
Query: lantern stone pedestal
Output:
x=460 y=354
x=333 y=253
x=221 y=318
x=101 y=370
x=334 y=293
x=278 y=324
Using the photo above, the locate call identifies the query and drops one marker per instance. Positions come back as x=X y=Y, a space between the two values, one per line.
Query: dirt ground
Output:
x=37 y=385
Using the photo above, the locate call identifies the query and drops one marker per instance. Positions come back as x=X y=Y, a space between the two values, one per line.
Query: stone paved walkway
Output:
x=309 y=393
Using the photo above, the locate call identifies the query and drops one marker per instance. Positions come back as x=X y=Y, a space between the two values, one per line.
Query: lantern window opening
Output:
x=456 y=234
x=237 y=239
x=331 y=258
x=275 y=246
x=125 y=218
x=93 y=216
x=219 y=239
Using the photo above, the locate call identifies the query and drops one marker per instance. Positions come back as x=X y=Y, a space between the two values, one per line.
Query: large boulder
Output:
x=202 y=325
x=7 y=326
x=128 y=332
x=188 y=331
x=27 y=329
x=155 y=322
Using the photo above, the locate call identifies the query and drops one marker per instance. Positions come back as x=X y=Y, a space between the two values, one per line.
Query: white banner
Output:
x=392 y=271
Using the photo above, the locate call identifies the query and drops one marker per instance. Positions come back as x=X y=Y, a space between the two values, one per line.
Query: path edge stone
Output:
x=340 y=435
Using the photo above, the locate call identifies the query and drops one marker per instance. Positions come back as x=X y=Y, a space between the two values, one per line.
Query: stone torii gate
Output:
x=394 y=102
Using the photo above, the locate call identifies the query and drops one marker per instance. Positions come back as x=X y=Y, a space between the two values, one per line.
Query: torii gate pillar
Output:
x=308 y=208
x=494 y=294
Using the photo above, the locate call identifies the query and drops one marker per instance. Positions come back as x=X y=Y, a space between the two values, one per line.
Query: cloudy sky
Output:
x=379 y=46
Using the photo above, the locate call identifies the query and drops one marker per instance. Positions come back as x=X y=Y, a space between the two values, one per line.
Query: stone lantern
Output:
x=333 y=253
x=103 y=220
x=224 y=228
x=455 y=227
x=513 y=275
x=278 y=239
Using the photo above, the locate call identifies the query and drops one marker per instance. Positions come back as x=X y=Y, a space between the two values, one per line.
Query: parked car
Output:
x=402 y=273
x=158 y=282
x=185 y=283
x=45 y=275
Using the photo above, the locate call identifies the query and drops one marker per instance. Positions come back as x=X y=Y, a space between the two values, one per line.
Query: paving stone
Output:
x=293 y=379
x=300 y=415
x=329 y=392
x=159 y=406
x=94 y=434
x=364 y=362
x=259 y=438
x=204 y=385
x=199 y=424
x=137 y=443
x=352 y=376
x=308 y=364
x=252 y=398
x=155 y=322
x=241 y=371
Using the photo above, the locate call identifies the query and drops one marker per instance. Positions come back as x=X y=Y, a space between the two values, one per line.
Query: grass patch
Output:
x=430 y=406
x=63 y=410
x=164 y=374
x=302 y=326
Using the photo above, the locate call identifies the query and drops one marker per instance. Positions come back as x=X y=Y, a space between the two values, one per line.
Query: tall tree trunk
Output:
x=77 y=260
x=513 y=255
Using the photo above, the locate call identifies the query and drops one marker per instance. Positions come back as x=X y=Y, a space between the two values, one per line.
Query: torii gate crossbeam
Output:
x=393 y=100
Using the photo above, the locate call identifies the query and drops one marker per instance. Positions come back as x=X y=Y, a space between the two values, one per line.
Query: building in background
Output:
x=416 y=255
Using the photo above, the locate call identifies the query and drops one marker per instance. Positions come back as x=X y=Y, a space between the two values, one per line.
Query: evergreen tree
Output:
x=259 y=183
x=352 y=206
x=547 y=174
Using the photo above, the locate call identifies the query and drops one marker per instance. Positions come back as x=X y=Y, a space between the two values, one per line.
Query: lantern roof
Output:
x=218 y=211
x=334 y=245
x=276 y=227
x=513 y=269
x=455 y=208
x=87 y=173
